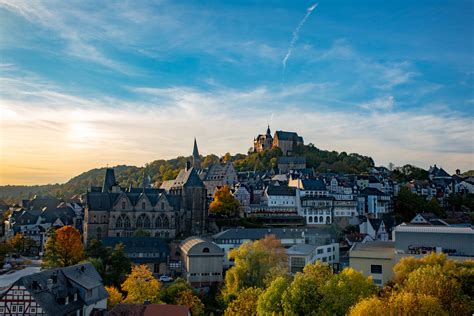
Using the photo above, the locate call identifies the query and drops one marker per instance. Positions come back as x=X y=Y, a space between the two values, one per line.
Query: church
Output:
x=113 y=211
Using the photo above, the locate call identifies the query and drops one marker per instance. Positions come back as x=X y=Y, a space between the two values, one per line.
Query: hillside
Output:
x=160 y=170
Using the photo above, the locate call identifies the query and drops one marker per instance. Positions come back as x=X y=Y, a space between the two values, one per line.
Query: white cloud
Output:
x=67 y=134
x=380 y=104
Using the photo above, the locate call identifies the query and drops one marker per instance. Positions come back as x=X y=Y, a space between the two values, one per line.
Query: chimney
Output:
x=50 y=284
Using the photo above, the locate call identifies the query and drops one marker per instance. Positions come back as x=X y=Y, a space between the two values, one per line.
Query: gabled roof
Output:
x=375 y=223
x=188 y=177
x=282 y=190
x=313 y=185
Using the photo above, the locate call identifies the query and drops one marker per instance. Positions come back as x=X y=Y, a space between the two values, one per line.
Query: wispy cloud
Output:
x=296 y=33
x=163 y=122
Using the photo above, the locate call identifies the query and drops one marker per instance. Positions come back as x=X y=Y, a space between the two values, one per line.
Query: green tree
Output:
x=224 y=202
x=344 y=290
x=270 y=302
x=170 y=293
x=117 y=266
x=141 y=233
x=408 y=204
x=23 y=245
x=257 y=264
x=303 y=296
x=245 y=303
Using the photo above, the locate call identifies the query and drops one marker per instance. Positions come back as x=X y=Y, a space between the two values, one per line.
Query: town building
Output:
x=373 y=227
x=202 y=261
x=317 y=210
x=302 y=254
x=218 y=175
x=374 y=203
x=74 y=290
x=287 y=141
x=263 y=142
x=291 y=163
x=151 y=251
x=112 y=211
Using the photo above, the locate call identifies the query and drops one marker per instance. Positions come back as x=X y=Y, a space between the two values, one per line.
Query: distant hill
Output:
x=160 y=170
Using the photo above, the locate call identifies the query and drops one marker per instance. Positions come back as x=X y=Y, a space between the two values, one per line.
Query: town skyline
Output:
x=84 y=87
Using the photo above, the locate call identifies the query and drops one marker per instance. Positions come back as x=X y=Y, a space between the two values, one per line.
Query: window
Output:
x=377 y=281
x=20 y=308
x=376 y=268
x=123 y=205
x=143 y=205
x=205 y=250
x=14 y=308
x=162 y=205
x=320 y=251
x=33 y=310
x=329 y=250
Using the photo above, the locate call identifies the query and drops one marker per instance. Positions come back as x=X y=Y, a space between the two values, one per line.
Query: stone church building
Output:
x=112 y=211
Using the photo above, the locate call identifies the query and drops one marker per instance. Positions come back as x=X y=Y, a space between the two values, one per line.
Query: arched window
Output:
x=328 y=219
x=311 y=219
x=126 y=222
x=159 y=222
x=205 y=250
x=143 y=221
x=321 y=219
x=166 y=222
x=119 y=222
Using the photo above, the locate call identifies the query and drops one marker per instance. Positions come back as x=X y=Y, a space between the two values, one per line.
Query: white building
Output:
x=301 y=255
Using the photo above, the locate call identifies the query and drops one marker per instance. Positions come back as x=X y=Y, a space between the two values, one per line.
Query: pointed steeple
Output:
x=196 y=157
x=109 y=180
x=268 y=131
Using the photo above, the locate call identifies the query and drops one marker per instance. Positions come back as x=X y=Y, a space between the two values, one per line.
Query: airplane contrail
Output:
x=296 y=33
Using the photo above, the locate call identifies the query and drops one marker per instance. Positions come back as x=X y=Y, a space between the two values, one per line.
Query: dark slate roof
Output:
x=282 y=135
x=281 y=190
x=109 y=180
x=375 y=222
x=138 y=244
x=98 y=201
x=280 y=233
x=372 y=191
x=27 y=217
x=294 y=160
x=39 y=202
x=313 y=185
x=69 y=279
x=65 y=214
x=188 y=177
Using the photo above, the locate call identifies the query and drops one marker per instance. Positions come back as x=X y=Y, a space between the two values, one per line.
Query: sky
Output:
x=87 y=84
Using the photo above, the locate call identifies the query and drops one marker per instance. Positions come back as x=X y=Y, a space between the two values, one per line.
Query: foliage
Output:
x=344 y=290
x=141 y=286
x=170 y=293
x=461 y=202
x=303 y=296
x=191 y=300
x=408 y=173
x=245 y=303
x=117 y=265
x=141 y=233
x=23 y=245
x=5 y=249
x=434 y=275
x=398 y=303
x=115 y=297
x=257 y=264
x=270 y=302
x=111 y=263
x=224 y=202
x=63 y=248
x=408 y=204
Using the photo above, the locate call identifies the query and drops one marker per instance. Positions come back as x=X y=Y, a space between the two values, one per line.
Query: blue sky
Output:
x=127 y=83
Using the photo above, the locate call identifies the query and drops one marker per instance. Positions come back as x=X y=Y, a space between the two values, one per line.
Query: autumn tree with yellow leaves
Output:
x=141 y=286
x=224 y=203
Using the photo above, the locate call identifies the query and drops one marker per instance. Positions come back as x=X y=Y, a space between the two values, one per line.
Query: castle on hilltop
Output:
x=286 y=141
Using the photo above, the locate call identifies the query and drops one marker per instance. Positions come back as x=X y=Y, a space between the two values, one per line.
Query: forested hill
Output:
x=160 y=170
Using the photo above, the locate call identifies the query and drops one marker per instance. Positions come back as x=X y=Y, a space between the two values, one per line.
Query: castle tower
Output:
x=196 y=157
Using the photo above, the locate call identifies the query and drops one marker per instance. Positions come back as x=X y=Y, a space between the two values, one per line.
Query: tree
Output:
x=434 y=207
x=257 y=264
x=344 y=290
x=408 y=204
x=189 y=299
x=224 y=202
x=63 y=248
x=373 y=306
x=115 y=297
x=23 y=245
x=170 y=293
x=245 y=303
x=304 y=296
x=141 y=286
x=95 y=249
x=5 y=248
x=270 y=302
x=117 y=266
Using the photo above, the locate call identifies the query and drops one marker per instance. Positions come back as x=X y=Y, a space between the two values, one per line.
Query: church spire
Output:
x=268 y=131
x=196 y=157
